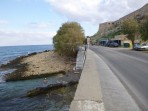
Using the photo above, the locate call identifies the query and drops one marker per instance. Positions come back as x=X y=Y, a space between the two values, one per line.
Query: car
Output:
x=107 y=44
x=113 y=44
x=143 y=46
x=136 y=46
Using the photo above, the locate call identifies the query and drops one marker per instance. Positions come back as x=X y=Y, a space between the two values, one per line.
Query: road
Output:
x=131 y=68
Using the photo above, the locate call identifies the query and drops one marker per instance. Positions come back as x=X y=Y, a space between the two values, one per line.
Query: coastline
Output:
x=57 y=93
x=38 y=65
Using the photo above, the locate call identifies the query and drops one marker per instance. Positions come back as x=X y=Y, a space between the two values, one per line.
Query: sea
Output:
x=13 y=94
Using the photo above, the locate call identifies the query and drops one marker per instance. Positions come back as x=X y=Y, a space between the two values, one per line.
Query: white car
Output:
x=143 y=46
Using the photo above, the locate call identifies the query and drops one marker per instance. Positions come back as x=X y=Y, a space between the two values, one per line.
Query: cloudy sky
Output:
x=32 y=22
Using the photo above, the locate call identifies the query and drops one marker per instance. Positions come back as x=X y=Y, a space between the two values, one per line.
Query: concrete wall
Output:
x=80 y=59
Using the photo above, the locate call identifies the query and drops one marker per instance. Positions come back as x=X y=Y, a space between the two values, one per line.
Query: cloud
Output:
x=9 y=38
x=39 y=25
x=3 y=22
x=95 y=11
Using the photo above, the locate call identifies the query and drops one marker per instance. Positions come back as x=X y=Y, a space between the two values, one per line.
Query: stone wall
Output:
x=104 y=27
x=140 y=13
x=80 y=59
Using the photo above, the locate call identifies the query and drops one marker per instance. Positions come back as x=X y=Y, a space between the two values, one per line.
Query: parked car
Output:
x=143 y=46
x=113 y=44
x=107 y=44
x=136 y=46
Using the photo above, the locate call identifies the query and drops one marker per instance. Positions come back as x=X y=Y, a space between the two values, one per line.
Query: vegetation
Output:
x=112 y=35
x=68 y=37
x=144 y=29
x=130 y=27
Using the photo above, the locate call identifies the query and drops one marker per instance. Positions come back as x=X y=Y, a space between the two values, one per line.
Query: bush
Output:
x=68 y=37
x=113 y=34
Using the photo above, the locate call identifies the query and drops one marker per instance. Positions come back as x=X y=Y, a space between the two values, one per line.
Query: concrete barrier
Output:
x=80 y=59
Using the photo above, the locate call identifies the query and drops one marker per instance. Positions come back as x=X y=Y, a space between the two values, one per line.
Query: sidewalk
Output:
x=88 y=95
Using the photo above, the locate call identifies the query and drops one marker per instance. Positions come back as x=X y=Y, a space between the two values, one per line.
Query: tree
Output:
x=144 y=29
x=68 y=37
x=130 y=27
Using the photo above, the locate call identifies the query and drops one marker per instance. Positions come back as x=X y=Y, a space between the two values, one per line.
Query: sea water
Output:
x=13 y=94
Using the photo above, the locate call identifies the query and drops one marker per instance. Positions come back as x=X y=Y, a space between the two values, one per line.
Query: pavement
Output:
x=99 y=89
x=88 y=95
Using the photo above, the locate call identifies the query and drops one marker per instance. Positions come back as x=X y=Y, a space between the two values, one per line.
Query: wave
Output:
x=2 y=80
x=3 y=72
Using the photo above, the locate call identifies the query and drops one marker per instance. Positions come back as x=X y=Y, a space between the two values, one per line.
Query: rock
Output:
x=34 y=53
x=36 y=66
x=37 y=91
x=46 y=50
x=49 y=88
x=18 y=75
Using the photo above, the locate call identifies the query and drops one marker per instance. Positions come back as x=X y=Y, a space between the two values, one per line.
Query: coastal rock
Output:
x=49 y=88
x=37 y=65
x=18 y=75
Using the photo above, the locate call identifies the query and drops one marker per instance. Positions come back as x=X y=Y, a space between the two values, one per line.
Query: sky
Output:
x=35 y=22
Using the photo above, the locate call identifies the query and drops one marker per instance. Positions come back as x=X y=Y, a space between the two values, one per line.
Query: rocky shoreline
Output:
x=63 y=82
x=42 y=65
x=38 y=65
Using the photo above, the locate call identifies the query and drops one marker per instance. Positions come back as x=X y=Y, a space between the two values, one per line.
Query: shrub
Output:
x=68 y=37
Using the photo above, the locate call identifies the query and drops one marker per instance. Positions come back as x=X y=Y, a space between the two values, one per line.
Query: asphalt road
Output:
x=131 y=67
